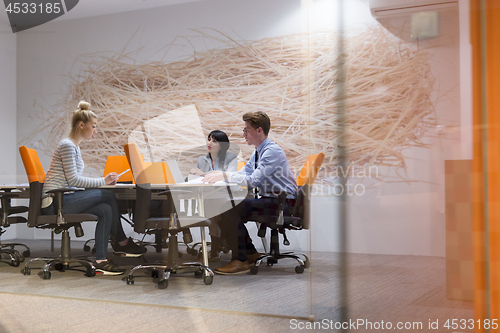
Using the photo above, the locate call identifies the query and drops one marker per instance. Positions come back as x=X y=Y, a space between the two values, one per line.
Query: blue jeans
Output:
x=101 y=203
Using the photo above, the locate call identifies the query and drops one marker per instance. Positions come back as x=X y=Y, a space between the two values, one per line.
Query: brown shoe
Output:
x=234 y=267
x=252 y=258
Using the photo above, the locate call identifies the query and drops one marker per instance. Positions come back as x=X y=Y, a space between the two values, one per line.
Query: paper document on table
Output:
x=191 y=177
x=199 y=180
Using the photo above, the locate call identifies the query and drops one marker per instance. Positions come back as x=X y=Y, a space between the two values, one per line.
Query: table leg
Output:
x=204 y=246
x=52 y=240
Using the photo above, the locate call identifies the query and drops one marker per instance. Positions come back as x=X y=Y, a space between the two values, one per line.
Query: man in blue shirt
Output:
x=268 y=171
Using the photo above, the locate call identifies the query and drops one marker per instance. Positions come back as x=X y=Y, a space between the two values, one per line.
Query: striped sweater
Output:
x=66 y=169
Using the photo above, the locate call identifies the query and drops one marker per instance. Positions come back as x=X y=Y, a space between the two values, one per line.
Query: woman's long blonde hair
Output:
x=82 y=114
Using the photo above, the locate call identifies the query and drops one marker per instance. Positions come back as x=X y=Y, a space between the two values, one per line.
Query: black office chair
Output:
x=6 y=211
x=168 y=224
x=60 y=223
x=297 y=219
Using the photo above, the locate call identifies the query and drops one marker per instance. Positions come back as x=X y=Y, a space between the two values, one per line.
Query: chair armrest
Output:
x=8 y=195
x=67 y=189
x=6 y=208
x=5 y=199
x=281 y=208
x=58 y=201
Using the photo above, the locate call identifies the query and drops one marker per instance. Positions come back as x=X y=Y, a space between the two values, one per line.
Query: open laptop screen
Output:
x=176 y=171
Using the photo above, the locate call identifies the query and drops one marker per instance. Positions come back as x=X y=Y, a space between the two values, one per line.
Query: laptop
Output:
x=176 y=171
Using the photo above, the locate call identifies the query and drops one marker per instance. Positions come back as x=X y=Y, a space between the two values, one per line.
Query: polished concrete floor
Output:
x=376 y=288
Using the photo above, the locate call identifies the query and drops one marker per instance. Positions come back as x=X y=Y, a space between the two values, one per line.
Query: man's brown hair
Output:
x=258 y=119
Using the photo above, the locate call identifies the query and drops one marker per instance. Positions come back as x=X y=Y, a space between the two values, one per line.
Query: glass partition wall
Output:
x=420 y=242
x=403 y=185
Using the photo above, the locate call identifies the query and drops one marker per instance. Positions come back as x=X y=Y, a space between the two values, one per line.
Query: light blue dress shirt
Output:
x=273 y=173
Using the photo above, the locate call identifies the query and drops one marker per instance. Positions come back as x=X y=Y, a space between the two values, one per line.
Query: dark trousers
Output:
x=233 y=223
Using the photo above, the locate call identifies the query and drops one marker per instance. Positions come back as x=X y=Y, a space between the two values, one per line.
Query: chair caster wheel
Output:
x=46 y=275
x=198 y=274
x=130 y=280
x=299 y=269
x=86 y=248
x=254 y=270
x=163 y=284
x=26 y=271
x=208 y=280
x=26 y=253
x=15 y=263
x=269 y=262
x=307 y=264
x=90 y=272
x=59 y=267
x=18 y=257
x=200 y=255
x=155 y=273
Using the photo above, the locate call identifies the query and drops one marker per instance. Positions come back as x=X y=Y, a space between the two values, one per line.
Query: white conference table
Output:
x=22 y=190
x=216 y=195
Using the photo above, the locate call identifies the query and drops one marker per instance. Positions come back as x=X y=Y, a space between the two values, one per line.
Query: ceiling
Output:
x=88 y=8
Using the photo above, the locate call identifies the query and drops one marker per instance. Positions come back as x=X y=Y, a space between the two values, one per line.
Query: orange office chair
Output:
x=59 y=222
x=167 y=224
x=297 y=220
x=119 y=164
x=158 y=173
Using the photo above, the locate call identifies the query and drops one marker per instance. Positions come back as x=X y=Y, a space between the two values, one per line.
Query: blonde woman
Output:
x=66 y=170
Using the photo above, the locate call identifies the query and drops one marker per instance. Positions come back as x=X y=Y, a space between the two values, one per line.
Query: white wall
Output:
x=398 y=218
x=8 y=148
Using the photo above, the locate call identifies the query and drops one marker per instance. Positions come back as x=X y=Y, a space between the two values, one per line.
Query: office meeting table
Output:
x=209 y=197
x=215 y=194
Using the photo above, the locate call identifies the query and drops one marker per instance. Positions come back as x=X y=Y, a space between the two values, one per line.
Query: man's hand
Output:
x=213 y=177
